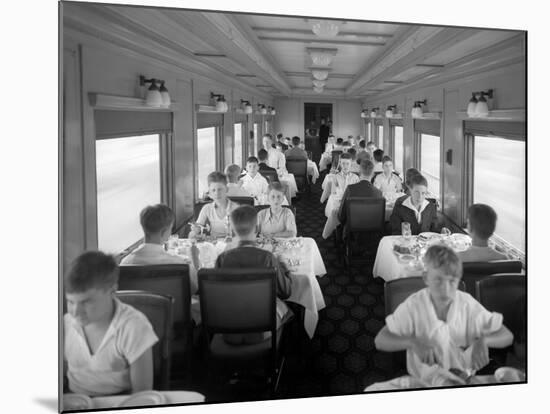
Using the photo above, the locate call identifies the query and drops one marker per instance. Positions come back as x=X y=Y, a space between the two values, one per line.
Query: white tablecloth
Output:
x=326 y=159
x=312 y=171
x=305 y=287
x=388 y=266
x=407 y=383
x=289 y=180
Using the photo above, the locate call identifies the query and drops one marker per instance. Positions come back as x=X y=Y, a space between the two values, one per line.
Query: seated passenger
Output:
x=234 y=184
x=415 y=209
x=362 y=146
x=156 y=222
x=339 y=181
x=253 y=181
x=354 y=165
x=441 y=327
x=378 y=155
x=216 y=214
x=482 y=220
x=246 y=255
x=296 y=151
x=371 y=148
x=363 y=188
x=276 y=159
x=339 y=146
x=262 y=166
x=388 y=182
x=407 y=184
x=282 y=141
x=276 y=221
x=107 y=344
x=346 y=146
x=364 y=155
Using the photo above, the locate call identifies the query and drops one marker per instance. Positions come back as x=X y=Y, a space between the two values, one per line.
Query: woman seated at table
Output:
x=388 y=182
x=415 y=209
x=408 y=175
x=276 y=221
x=217 y=212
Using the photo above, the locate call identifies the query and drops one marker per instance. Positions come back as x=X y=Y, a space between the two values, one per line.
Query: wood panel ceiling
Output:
x=269 y=53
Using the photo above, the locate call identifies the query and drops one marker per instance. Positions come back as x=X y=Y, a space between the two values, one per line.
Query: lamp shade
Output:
x=325 y=28
x=472 y=104
x=319 y=83
x=166 y=101
x=373 y=113
x=416 y=111
x=220 y=106
x=321 y=58
x=273 y=112
x=317 y=89
x=364 y=113
x=247 y=108
x=320 y=74
x=263 y=110
x=153 y=98
x=482 y=109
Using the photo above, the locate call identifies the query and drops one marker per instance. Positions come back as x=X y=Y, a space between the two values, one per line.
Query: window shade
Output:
x=510 y=130
x=118 y=124
x=207 y=120
x=396 y=122
x=428 y=126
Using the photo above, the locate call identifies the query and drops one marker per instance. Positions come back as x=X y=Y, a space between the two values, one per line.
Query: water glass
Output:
x=406 y=229
x=445 y=232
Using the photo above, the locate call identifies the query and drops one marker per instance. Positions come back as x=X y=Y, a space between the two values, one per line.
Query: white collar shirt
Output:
x=276 y=159
x=418 y=214
x=107 y=371
x=151 y=254
x=256 y=186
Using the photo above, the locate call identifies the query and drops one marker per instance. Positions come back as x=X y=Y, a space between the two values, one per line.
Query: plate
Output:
x=144 y=398
x=429 y=234
x=406 y=257
x=77 y=402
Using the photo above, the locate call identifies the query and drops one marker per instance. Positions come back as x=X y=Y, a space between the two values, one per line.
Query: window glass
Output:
x=253 y=150
x=398 y=149
x=206 y=156
x=429 y=163
x=499 y=181
x=128 y=179
x=380 y=137
x=238 y=148
x=369 y=132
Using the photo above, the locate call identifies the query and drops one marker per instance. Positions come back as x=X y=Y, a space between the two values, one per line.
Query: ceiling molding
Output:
x=424 y=42
x=108 y=31
x=310 y=32
x=308 y=74
x=318 y=40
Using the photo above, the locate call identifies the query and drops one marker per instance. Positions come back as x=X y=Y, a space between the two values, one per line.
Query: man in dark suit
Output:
x=363 y=188
x=296 y=151
x=264 y=168
x=324 y=131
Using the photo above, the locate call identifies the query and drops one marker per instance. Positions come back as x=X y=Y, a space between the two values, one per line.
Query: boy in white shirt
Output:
x=482 y=221
x=254 y=182
x=107 y=343
x=441 y=327
x=156 y=222
x=234 y=185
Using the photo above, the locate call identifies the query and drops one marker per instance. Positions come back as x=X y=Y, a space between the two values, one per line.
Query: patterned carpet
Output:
x=340 y=358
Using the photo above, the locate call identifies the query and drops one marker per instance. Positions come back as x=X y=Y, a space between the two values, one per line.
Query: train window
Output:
x=397 y=135
x=206 y=159
x=381 y=137
x=128 y=173
x=430 y=148
x=238 y=144
x=253 y=148
x=499 y=181
x=369 y=132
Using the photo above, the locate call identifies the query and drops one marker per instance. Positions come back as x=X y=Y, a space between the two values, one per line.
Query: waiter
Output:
x=324 y=131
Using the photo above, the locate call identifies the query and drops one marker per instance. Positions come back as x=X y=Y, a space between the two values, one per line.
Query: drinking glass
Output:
x=406 y=229
x=445 y=232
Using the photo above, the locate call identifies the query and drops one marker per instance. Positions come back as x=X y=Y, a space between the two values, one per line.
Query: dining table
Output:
x=312 y=171
x=392 y=264
x=325 y=161
x=333 y=197
x=300 y=255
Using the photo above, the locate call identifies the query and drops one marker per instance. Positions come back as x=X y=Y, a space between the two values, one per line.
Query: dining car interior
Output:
x=261 y=207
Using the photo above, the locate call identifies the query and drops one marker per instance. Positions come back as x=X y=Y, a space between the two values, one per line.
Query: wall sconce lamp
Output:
x=246 y=106
x=364 y=113
x=271 y=110
x=482 y=107
x=417 y=111
x=155 y=97
x=221 y=104
x=262 y=109
x=390 y=111
x=374 y=112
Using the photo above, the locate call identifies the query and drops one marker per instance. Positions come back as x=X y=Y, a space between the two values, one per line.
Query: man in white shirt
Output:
x=156 y=222
x=234 y=186
x=253 y=182
x=378 y=155
x=275 y=159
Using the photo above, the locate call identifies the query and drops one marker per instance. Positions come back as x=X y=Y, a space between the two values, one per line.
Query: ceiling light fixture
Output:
x=323 y=28
x=317 y=89
x=321 y=57
x=320 y=74
x=220 y=103
x=319 y=83
x=246 y=106
x=417 y=111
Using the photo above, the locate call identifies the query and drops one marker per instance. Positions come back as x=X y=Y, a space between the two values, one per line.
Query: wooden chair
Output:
x=270 y=176
x=159 y=310
x=475 y=271
x=241 y=301
x=264 y=206
x=166 y=279
x=242 y=200
x=198 y=207
x=336 y=158
x=365 y=215
x=298 y=167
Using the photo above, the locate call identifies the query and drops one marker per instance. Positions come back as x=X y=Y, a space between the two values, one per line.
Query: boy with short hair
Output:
x=247 y=254
x=441 y=327
x=156 y=222
x=253 y=181
x=378 y=155
x=234 y=185
x=371 y=147
x=482 y=221
x=107 y=343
